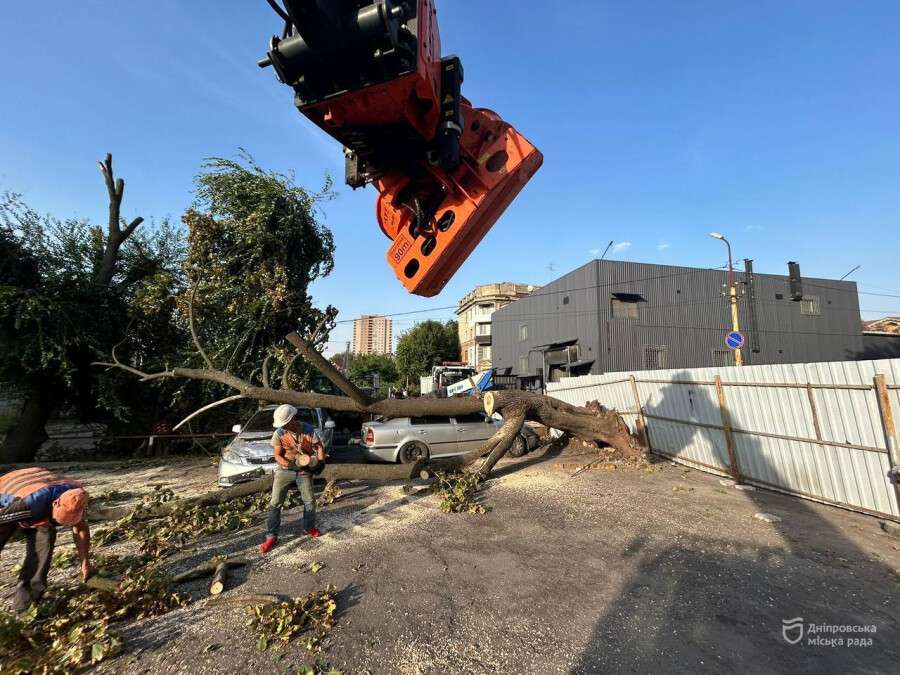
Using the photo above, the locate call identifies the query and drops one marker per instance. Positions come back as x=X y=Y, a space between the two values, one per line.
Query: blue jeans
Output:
x=282 y=479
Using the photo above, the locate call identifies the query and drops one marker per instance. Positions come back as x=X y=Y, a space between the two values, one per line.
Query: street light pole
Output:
x=732 y=295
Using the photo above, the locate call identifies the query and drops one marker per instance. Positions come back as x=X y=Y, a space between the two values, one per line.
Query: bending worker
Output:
x=299 y=453
x=37 y=502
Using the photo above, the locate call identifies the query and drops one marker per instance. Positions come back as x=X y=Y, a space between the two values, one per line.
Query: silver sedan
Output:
x=410 y=439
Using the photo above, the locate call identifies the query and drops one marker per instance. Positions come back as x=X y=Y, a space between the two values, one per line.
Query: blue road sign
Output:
x=734 y=340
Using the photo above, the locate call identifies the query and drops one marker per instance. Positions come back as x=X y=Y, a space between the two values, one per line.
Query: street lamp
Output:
x=732 y=294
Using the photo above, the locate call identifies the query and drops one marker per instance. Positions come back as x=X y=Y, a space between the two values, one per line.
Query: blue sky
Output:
x=776 y=123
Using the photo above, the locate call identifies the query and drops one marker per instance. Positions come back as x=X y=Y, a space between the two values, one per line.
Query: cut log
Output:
x=219 y=578
x=207 y=568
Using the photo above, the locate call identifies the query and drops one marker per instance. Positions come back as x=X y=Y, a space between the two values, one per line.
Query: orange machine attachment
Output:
x=370 y=74
x=436 y=218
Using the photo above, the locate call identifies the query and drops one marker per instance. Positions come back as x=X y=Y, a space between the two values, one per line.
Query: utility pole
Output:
x=347 y=358
x=732 y=298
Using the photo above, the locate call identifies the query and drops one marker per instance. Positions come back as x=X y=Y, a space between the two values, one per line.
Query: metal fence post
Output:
x=890 y=431
x=640 y=410
x=726 y=430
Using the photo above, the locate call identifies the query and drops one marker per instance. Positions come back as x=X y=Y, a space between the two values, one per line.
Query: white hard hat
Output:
x=283 y=414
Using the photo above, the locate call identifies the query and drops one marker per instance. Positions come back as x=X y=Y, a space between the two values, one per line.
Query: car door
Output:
x=472 y=430
x=437 y=432
x=326 y=434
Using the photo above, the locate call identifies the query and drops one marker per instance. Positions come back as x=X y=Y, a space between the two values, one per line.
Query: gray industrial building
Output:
x=610 y=316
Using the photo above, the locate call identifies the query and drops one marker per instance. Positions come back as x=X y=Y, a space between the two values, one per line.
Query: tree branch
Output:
x=265 y=371
x=115 y=198
x=194 y=337
x=287 y=371
x=132 y=226
x=504 y=438
x=328 y=370
x=115 y=236
x=209 y=406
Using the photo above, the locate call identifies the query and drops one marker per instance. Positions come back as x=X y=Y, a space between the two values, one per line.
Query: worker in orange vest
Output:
x=300 y=454
x=36 y=502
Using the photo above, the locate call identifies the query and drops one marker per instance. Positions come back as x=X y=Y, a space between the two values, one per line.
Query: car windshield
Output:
x=262 y=420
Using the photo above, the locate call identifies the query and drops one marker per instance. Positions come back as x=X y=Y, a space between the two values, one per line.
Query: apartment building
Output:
x=474 y=316
x=372 y=334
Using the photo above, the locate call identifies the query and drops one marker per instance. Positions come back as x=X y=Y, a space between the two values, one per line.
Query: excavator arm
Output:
x=371 y=75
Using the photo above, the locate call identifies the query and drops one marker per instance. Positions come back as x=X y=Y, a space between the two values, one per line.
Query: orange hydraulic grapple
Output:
x=370 y=74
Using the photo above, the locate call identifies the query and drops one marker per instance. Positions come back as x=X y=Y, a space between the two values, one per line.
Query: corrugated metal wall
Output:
x=814 y=430
x=683 y=312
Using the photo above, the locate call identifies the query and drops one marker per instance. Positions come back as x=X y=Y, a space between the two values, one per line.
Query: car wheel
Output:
x=413 y=452
x=519 y=447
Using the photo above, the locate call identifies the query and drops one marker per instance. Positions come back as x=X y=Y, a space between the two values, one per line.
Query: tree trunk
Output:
x=24 y=439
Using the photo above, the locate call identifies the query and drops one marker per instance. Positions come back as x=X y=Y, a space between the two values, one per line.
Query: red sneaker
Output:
x=267 y=545
x=313 y=532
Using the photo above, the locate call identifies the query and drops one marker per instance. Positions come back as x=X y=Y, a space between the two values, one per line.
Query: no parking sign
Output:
x=734 y=340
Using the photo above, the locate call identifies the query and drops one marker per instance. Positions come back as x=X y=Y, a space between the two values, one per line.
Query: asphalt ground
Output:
x=621 y=568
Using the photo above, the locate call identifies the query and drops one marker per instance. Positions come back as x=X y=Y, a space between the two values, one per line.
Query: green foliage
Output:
x=63 y=559
x=311 y=615
x=319 y=669
x=343 y=360
x=55 y=317
x=315 y=567
x=365 y=366
x=69 y=628
x=457 y=491
x=426 y=344
x=254 y=247
x=112 y=495
x=161 y=536
x=329 y=495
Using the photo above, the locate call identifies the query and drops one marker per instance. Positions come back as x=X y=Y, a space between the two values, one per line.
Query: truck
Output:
x=442 y=377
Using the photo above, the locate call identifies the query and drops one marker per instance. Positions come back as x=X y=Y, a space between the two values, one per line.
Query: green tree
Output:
x=343 y=360
x=426 y=344
x=254 y=247
x=365 y=366
x=67 y=294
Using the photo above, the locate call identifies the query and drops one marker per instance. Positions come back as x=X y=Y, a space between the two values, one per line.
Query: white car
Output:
x=249 y=454
x=410 y=439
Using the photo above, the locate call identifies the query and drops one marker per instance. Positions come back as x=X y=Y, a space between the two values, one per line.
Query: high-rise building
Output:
x=372 y=335
x=474 y=317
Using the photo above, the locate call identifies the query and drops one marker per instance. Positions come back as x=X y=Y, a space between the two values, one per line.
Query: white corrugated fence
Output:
x=824 y=431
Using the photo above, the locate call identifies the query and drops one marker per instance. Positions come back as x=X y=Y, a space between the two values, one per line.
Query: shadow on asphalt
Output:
x=709 y=607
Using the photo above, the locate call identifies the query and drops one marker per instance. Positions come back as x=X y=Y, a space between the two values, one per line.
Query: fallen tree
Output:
x=593 y=424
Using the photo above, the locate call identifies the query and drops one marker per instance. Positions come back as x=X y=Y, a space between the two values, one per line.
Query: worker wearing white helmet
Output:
x=299 y=453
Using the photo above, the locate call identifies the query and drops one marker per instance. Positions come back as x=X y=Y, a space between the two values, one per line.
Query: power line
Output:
x=417 y=311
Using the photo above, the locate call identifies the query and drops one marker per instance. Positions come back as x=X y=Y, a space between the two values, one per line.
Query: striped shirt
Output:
x=37 y=488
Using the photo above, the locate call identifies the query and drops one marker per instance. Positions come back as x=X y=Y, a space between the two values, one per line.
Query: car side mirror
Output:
x=236 y=428
x=330 y=424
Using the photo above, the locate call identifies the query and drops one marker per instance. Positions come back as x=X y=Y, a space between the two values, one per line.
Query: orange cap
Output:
x=69 y=508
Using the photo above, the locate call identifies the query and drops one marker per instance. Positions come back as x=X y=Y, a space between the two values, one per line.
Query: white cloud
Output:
x=663 y=245
x=594 y=252
x=754 y=228
x=621 y=246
